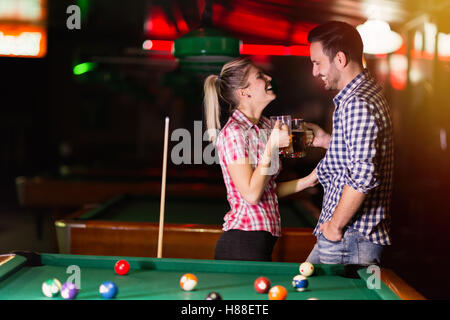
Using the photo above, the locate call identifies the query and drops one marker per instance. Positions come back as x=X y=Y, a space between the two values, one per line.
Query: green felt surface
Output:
x=151 y=278
x=143 y=208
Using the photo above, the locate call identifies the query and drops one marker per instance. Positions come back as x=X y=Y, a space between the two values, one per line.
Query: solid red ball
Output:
x=122 y=267
x=262 y=285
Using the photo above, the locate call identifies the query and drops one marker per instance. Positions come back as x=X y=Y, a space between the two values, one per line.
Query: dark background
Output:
x=113 y=117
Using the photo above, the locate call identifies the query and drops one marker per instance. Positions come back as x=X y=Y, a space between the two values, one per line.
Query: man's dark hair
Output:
x=338 y=36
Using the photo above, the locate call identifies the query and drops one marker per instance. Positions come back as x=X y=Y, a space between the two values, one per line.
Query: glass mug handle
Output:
x=309 y=137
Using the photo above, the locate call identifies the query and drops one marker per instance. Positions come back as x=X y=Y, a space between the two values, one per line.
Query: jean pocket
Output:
x=330 y=252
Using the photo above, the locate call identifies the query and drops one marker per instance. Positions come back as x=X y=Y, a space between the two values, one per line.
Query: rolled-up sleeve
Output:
x=360 y=130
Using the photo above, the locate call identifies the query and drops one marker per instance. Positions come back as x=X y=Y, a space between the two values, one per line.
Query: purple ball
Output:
x=69 y=290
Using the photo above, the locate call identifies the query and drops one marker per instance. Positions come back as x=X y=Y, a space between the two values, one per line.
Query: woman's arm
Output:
x=251 y=182
x=293 y=186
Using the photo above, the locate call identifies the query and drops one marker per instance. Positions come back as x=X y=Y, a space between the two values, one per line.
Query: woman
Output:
x=247 y=159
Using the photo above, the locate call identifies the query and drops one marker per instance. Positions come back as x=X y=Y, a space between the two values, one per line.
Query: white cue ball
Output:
x=306 y=269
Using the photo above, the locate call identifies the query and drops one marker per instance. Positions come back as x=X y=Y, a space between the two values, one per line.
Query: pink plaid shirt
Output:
x=239 y=139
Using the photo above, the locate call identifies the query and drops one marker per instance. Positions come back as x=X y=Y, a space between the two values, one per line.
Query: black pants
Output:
x=245 y=245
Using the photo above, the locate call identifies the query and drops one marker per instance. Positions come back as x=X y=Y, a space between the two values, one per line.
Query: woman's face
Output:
x=259 y=87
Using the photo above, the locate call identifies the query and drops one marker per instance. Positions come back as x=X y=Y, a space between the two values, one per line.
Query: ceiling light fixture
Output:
x=378 y=38
x=206 y=48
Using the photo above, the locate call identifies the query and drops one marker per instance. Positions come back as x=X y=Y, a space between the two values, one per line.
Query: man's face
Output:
x=323 y=68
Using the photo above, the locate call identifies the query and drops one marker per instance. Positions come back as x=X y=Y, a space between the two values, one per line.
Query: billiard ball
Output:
x=122 y=267
x=108 y=290
x=69 y=291
x=213 y=296
x=51 y=287
x=300 y=283
x=188 y=282
x=262 y=285
x=306 y=269
x=277 y=293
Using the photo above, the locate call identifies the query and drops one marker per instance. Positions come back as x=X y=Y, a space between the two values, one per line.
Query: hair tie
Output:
x=218 y=80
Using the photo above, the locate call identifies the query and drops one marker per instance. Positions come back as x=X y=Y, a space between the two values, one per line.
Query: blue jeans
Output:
x=354 y=248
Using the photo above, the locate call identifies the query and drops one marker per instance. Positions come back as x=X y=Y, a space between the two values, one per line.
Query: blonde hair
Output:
x=234 y=75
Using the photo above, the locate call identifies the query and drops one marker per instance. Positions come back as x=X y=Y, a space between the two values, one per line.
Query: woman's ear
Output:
x=243 y=93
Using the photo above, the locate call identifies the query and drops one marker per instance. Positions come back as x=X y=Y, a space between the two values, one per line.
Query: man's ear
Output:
x=340 y=60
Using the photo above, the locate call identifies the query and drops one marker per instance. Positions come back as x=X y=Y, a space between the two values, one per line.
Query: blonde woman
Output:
x=247 y=156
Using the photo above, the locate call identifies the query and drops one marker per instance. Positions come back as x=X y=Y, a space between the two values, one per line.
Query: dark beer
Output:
x=298 y=143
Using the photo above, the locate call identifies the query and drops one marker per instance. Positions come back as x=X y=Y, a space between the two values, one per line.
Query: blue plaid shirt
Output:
x=361 y=156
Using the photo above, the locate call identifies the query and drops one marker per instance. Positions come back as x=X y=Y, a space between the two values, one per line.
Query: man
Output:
x=357 y=170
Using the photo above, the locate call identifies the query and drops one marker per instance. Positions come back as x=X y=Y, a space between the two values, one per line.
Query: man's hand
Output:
x=330 y=232
x=321 y=138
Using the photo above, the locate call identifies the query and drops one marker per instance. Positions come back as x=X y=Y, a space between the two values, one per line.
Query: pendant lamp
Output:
x=378 y=38
x=206 y=48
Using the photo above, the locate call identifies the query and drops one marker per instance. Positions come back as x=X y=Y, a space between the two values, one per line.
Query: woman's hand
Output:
x=312 y=178
x=293 y=186
x=280 y=135
x=321 y=139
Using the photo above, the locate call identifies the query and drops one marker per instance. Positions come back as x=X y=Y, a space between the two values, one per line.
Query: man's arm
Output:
x=348 y=205
x=251 y=182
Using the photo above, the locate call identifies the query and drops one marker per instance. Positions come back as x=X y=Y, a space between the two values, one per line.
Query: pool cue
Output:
x=163 y=189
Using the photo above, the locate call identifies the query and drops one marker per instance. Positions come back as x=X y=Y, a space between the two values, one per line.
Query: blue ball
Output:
x=300 y=283
x=108 y=289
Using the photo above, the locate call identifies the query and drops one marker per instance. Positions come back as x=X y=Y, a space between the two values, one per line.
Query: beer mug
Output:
x=301 y=138
x=284 y=120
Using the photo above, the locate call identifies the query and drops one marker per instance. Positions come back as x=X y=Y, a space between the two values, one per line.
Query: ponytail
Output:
x=234 y=75
x=212 y=107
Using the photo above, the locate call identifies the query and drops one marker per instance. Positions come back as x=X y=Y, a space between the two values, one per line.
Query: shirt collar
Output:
x=350 y=87
x=242 y=119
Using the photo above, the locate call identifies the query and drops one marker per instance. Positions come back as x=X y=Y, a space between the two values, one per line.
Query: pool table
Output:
x=129 y=224
x=59 y=194
x=22 y=274
x=76 y=190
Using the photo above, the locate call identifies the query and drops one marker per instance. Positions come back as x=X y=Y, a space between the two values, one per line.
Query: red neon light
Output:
x=250 y=23
x=300 y=51
x=300 y=32
x=162 y=45
x=157 y=24
x=246 y=49
x=259 y=49
x=274 y=50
